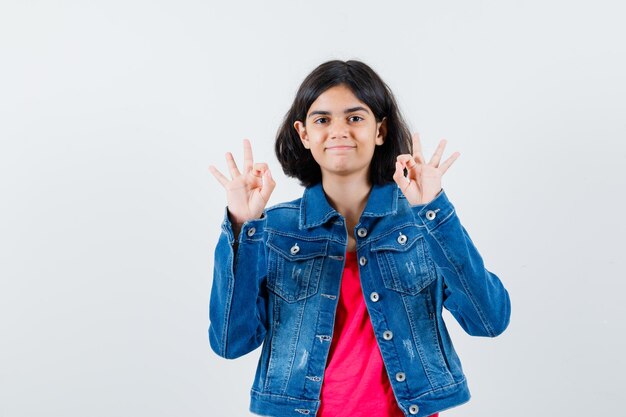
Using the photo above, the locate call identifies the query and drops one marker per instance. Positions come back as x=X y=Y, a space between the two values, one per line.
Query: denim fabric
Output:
x=280 y=290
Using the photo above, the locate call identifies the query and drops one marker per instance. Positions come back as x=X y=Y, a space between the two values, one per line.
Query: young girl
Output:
x=344 y=287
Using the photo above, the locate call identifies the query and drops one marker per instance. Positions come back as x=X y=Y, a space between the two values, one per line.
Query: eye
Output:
x=320 y=120
x=358 y=118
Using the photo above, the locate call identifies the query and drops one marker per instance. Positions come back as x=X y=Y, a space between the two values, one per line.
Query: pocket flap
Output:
x=399 y=240
x=297 y=249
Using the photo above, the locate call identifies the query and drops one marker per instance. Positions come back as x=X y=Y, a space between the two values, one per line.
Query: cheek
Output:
x=318 y=154
x=315 y=149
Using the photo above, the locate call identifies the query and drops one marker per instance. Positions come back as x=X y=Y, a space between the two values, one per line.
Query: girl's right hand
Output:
x=246 y=194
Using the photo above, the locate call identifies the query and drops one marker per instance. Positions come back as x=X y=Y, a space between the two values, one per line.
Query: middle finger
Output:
x=417 y=148
x=247 y=156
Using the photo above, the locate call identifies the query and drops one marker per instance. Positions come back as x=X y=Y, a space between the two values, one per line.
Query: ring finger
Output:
x=232 y=165
x=434 y=161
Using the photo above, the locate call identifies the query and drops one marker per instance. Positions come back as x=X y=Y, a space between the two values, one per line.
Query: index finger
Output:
x=247 y=156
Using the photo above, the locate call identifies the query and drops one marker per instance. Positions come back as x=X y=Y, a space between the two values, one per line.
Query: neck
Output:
x=347 y=195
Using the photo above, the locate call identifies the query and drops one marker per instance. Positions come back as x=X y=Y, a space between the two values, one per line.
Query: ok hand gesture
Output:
x=423 y=180
x=246 y=194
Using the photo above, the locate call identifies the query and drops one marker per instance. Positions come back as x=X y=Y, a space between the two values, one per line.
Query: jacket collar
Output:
x=316 y=210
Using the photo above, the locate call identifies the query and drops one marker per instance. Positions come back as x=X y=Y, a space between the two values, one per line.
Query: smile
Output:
x=340 y=148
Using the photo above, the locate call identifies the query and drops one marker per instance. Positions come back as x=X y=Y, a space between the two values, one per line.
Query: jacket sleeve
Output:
x=474 y=296
x=237 y=306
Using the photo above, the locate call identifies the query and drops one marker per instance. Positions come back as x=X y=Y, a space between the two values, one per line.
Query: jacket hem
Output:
x=273 y=405
x=438 y=400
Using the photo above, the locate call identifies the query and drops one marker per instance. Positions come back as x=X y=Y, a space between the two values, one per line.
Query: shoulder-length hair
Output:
x=368 y=87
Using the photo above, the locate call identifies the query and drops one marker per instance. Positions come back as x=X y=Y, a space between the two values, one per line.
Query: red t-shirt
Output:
x=355 y=381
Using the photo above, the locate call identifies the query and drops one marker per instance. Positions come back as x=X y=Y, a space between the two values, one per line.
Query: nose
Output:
x=338 y=129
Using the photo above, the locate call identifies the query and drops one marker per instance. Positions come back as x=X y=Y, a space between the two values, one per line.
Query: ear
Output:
x=301 y=129
x=381 y=131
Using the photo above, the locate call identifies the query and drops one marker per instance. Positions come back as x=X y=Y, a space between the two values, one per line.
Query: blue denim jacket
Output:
x=281 y=287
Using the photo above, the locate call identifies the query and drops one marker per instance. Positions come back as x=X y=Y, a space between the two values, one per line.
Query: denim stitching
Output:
x=323 y=238
x=418 y=347
x=463 y=281
x=294 y=344
x=271 y=357
x=229 y=297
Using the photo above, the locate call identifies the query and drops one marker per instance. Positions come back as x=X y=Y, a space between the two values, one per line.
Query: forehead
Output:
x=336 y=99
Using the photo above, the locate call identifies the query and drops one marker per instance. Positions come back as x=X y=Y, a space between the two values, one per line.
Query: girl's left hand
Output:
x=423 y=180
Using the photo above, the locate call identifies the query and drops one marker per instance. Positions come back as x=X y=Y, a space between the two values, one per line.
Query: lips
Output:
x=341 y=147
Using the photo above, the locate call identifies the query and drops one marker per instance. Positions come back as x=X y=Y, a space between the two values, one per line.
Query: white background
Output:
x=111 y=112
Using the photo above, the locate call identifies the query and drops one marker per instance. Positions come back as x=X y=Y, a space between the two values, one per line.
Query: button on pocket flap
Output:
x=399 y=240
x=296 y=249
x=404 y=261
x=294 y=266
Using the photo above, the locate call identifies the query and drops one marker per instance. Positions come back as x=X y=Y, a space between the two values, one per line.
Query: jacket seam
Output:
x=283 y=205
x=231 y=285
x=418 y=347
x=463 y=281
x=296 y=342
x=303 y=238
x=269 y=394
x=445 y=387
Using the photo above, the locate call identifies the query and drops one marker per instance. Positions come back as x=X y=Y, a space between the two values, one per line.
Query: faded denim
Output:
x=280 y=290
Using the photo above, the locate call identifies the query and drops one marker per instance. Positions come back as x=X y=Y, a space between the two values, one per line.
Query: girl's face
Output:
x=341 y=132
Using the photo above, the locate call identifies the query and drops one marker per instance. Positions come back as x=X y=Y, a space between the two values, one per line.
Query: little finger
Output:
x=219 y=176
x=448 y=162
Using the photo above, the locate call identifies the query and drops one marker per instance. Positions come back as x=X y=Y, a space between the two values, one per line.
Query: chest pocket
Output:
x=403 y=260
x=295 y=266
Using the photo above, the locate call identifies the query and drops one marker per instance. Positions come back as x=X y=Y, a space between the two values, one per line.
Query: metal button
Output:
x=400 y=376
x=387 y=335
x=294 y=249
x=414 y=409
x=374 y=296
x=402 y=239
x=362 y=232
x=430 y=215
x=251 y=231
x=363 y=260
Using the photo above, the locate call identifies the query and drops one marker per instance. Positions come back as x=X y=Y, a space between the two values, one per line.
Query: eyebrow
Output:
x=346 y=111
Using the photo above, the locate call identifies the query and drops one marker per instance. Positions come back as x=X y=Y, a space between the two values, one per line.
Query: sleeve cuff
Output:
x=435 y=212
x=251 y=230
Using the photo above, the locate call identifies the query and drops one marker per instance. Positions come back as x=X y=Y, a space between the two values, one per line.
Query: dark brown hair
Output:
x=368 y=87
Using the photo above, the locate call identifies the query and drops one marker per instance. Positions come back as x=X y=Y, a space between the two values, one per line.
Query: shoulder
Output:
x=285 y=207
x=283 y=214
